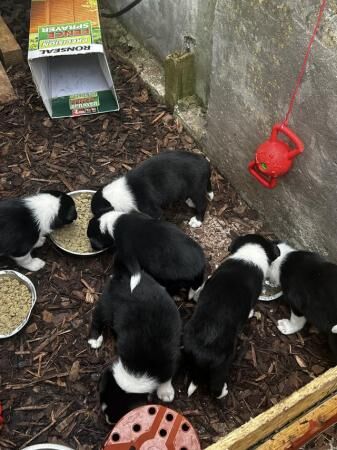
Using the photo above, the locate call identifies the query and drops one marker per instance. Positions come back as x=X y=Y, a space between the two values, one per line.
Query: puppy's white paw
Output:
x=165 y=392
x=251 y=314
x=224 y=391
x=40 y=242
x=194 y=223
x=35 y=264
x=191 y=389
x=96 y=343
x=210 y=195
x=190 y=203
x=286 y=327
x=334 y=329
x=134 y=281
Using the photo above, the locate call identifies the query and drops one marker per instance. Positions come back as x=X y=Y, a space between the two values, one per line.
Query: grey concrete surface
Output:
x=249 y=53
x=256 y=56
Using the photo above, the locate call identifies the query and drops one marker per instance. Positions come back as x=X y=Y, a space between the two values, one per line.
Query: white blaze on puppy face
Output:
x=274 y=271
x=108 y=220
x=119 y=195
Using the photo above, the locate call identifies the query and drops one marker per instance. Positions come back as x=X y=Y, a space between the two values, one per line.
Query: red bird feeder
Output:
x=275 y=157
x=153 y=427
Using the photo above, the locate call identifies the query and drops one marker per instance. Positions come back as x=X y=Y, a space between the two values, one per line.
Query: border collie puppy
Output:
x=160 y=248
x=160 y=180
x=309 y=285
x=223 y=307
x=147 y=327
x=25 y=222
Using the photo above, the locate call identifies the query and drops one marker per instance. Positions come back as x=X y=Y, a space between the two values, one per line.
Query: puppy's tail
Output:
x=127 y=266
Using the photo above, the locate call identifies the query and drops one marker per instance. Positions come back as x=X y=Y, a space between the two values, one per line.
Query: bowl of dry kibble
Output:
x=73 y=238
x=17 y=299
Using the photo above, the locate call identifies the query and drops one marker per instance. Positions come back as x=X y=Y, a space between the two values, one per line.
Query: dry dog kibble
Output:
x=15 y=303
x=73 y=237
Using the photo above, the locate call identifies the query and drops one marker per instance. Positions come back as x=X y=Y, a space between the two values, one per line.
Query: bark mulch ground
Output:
x=48 y=374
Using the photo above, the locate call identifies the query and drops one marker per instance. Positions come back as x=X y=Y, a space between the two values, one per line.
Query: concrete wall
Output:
x=256 y=57
x=248 y=55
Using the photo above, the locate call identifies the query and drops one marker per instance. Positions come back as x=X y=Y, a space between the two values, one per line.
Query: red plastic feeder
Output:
x=274 y=157
x=153 y=427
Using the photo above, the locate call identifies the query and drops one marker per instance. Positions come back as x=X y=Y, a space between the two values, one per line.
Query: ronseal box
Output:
x=67 y=59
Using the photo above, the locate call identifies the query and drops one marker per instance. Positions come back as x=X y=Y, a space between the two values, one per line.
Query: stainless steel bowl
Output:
x=31 y=287
x=270 y=292
x=94 y=252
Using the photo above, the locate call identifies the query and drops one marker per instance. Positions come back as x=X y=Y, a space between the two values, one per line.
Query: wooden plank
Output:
x=6 y=91
x=10 y=50
x=276 y=417
x=304 y=429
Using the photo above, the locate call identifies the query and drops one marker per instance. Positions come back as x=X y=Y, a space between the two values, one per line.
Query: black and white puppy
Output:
x=159 y=248
x=147 y=327
x=157 y=182
x=309 y=285
x=25 y=222
x=223 y=307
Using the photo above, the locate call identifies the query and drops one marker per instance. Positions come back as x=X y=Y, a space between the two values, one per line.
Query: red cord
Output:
x=302 y=72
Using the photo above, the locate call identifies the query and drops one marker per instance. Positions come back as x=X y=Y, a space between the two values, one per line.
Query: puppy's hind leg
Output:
x=40 y=242
x=210 y=193
x=295 y=324
x=200 y=202
x=165 y=391
x=28 y=262
x=218 y=377
x=95 y=335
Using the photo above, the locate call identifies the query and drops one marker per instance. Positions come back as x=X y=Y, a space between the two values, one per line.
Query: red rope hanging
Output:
x=302 y=71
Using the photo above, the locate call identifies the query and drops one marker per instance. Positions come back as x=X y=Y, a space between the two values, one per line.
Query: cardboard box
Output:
x=67 y=59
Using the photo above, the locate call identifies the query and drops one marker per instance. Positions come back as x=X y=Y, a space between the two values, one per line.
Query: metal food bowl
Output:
x=31 y=287
x=94 y=252
x=270 y=291
x=47 y=447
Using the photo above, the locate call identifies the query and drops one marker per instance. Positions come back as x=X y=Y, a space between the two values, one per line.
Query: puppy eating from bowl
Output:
x=160 y=248
x=163 y=179
x=25 y=223
x=147 y=327
x=309 y=285
x=223 y=307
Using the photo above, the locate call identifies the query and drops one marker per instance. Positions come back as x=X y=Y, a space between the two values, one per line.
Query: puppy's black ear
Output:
x=275 y=251
x=235 y=244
